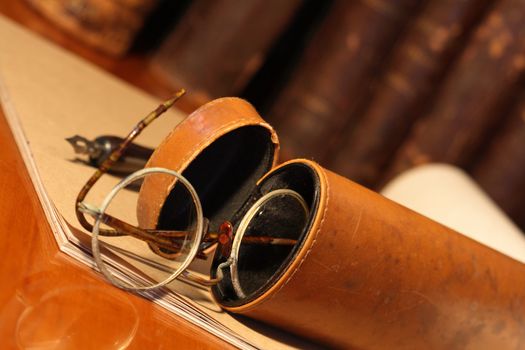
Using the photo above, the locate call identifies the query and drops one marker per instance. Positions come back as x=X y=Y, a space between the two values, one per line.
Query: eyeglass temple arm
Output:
x=168 y=239
x=114 y=157
x=160 y=238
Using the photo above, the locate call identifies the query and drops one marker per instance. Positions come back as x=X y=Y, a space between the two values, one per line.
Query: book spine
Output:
x=109 y=26
x=501 y=170
x=219 y=45
x=414 y=71
x=335 y=73
x=468 y=106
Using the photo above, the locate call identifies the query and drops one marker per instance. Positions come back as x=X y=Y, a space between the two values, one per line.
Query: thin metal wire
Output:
x=195 y=242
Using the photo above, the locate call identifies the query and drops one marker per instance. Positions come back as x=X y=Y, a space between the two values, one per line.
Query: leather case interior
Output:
x=365 y=272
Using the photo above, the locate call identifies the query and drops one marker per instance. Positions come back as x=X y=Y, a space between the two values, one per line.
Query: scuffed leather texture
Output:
x=376 y=275
x=369 y=273
x=205 y=127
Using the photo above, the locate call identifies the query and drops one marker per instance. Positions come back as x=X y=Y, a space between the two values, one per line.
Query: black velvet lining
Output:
x=224 y=174
x=260 y=266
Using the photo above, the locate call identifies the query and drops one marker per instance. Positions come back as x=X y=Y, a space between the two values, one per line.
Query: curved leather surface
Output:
x=370 y=273
x=374 y=274
x=187 y=141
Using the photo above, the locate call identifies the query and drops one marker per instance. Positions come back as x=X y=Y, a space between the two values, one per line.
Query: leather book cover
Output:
x=417 y=65
x=478 y=88
x=108 y=25
x=219 y=45
x=335 y=74
x=505 y=159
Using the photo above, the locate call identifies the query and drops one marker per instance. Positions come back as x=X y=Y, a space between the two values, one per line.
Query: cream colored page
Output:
x=55 y=95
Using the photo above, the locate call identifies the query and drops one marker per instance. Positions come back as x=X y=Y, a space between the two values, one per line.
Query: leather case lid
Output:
x=223 y=149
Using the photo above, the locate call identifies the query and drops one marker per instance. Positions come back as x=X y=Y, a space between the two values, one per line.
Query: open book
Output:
x=48 y=95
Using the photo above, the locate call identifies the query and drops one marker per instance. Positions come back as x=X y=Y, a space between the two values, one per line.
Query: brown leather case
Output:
x=365 y=272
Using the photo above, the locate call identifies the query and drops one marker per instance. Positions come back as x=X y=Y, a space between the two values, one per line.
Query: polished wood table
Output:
x=48 y=300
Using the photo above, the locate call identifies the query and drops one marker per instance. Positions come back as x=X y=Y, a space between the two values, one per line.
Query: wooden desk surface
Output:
x=49 y=300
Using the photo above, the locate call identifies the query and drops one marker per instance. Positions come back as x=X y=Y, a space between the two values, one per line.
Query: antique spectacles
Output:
x=173 y=250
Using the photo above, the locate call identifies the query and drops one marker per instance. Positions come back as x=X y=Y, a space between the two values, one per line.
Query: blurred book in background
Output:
x=505 y=159
x=368 y=88
x=414 y=71
x=218 y=46
x=475 y=97
x=335 y=74
x=108 y=25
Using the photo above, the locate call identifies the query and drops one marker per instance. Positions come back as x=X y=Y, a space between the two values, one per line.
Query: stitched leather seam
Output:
x=304 y=257
x=201 y=109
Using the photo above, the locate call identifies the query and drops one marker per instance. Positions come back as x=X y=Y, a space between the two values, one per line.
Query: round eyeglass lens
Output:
x=141 y=257
x=265 y=238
